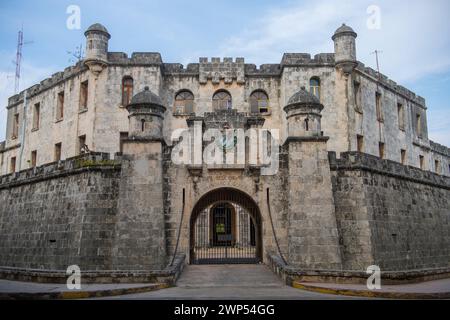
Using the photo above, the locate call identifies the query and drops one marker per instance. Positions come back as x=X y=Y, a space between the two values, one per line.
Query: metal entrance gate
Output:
x=225 y=233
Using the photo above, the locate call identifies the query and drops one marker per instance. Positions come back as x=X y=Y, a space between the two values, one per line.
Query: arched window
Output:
x=222 y=101
x=259 y=102
x=127 y=90
x=184 y=102
x=314 y=86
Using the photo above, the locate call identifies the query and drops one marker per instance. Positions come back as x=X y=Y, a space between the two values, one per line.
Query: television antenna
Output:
x=18 y=61
x=376 y=53
x=77 y=55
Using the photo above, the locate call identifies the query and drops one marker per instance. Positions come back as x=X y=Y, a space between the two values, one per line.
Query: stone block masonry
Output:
x=59 y=215
x=140 y=233
x=393 y=216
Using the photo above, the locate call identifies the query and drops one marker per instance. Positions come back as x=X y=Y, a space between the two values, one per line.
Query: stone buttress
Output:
x=140 y=234
x=313 y=241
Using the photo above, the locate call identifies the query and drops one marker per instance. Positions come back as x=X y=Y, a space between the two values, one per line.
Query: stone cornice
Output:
x=360 y=161
x=16 y=146
x=307 y=139
x=76 y=165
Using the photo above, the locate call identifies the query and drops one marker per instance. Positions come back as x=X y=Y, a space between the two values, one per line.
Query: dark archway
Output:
x=245 y=245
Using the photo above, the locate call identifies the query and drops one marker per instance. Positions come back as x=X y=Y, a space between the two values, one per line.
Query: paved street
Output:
x=229 y=282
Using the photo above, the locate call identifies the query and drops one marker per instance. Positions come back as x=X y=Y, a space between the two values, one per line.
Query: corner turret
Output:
x=303 y=114
x=97 y=37
x=345 y=48
x=146 y=116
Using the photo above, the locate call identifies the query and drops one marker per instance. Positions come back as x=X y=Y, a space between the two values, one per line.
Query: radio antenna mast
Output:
x=376 y=53
x=77 y=55
x=18 y=61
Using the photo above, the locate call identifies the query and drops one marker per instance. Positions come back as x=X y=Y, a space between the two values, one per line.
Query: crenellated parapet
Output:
x=304 y=59
x=85 y=162
x=390 y=84
x=47 y=84
x=439 y=148
x=354 y=161
x=226 y=70
x=136 y=59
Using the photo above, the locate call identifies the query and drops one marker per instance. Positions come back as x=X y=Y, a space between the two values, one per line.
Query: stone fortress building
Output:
x=87 y=176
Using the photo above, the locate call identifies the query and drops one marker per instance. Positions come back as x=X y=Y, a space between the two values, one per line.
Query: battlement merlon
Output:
x=48 y=83
x=439 y=148
x=354 y=160
x=216 y=69
x=390 y=84
x=85 y=162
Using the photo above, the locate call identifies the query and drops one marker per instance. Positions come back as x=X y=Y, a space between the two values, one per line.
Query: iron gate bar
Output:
x=239 y=225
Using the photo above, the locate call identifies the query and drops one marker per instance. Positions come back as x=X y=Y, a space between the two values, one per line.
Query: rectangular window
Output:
x=81 y=144
x=33 y=159
x=419 y=125
x=60 y=106
x=403 y=156
x=12 y=168
x=357 y=93
x=127 y=90
x=36 y=116
x=15 y=129
x=401 y=116
x=381 y=150
x=84 y=94
x=58 y=148
x=263 y=106
x=123 y=136
x=360 y=143
x=379 y=106
x=422 y=162
x=437 y=166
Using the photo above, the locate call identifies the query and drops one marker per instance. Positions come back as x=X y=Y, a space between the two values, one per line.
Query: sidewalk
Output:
x=438 y=289
x=15 y=290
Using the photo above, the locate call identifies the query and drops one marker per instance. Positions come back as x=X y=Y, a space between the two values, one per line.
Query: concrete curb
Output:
x=372 y=294
x=168 y=275
x=71 y=295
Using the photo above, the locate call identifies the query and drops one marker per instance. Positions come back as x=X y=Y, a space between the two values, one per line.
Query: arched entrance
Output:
x=225 y=228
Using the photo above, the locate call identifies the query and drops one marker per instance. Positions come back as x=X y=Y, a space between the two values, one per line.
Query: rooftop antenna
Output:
x=18 y=61
x=77 y=55
x=376 y=53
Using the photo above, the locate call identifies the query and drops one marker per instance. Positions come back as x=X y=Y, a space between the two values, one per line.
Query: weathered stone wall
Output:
x=51 y=130
x=195 y=182
x=60 y=215
x=440 y=158
x=312 y=234
x=105 y=118
x=393 y=216
x=140 y=236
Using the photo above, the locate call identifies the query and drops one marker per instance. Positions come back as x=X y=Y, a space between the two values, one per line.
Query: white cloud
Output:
x=413 y=34
x=413 y=39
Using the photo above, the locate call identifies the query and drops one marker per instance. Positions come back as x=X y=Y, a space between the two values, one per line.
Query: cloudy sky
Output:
x=413 y=37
